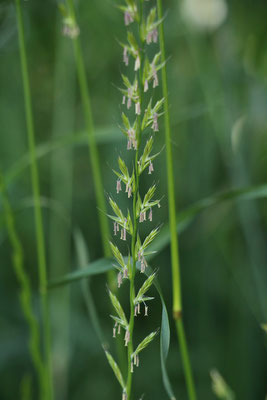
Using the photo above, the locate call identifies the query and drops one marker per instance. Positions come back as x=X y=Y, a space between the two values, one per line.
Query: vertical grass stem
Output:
x=176 y=281
x=81 y=73
x=37 y=205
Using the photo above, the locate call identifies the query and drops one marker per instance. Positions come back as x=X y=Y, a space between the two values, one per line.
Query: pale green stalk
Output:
x=25 y=292
x=176 y=280
x=37 y=206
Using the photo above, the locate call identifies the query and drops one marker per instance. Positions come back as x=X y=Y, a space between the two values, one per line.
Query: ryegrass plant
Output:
x=37 y=206
x=142 y=30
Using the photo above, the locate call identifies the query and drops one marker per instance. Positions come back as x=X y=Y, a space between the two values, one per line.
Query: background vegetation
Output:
x=217 y=83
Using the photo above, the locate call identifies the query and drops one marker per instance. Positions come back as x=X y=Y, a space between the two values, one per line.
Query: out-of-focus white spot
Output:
x=205 y=14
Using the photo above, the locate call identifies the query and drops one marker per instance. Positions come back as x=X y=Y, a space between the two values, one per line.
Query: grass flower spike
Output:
x=139 y=120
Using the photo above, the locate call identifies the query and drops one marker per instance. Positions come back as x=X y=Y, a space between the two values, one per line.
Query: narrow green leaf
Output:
x=115 y=369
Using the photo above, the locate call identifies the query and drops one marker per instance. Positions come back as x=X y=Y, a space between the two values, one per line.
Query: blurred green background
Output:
x=217 y=82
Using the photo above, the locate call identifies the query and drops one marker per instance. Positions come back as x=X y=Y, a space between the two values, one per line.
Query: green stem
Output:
x=176 y=280
x=25 y=292
x=37 y=206
x=185 y=357
x=93 y=150
x=132 y=276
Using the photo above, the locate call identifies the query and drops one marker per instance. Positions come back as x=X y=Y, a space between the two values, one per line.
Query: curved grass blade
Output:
x=103 y=136
x=45 y=202
x=97 y=267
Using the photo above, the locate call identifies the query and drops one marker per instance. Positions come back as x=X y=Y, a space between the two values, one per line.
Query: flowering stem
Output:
x=135 y=219
x=177 y=301
x=132 y=275
x=37 y=206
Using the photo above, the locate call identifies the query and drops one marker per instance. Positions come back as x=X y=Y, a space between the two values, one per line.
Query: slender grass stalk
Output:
x=176 y=280
x=135 y=218
x=144 y=31
x=25 y=292
x=37 y=206
x=86 y=102
x=61 y=189
x=133 y=249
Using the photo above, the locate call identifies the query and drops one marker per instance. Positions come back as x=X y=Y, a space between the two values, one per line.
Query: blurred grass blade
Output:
x=83 y=261
x=103 y=135
x=163 y=238
x=95 y=268
x=187 y=216
x=45 y=202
